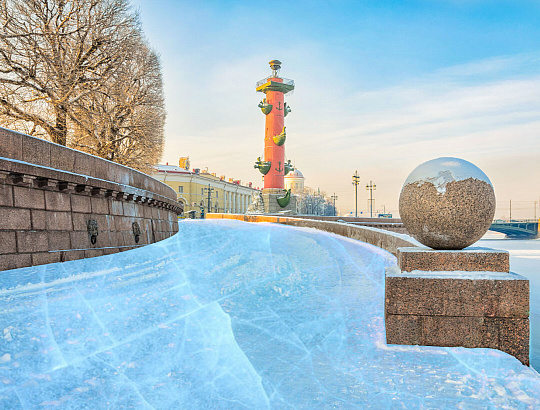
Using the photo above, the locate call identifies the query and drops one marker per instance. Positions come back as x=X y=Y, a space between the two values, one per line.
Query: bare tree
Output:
x=314 y=202
x=124 y=121
x=53 y=53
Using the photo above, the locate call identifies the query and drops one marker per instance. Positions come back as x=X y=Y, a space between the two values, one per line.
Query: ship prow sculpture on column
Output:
x=274 y=167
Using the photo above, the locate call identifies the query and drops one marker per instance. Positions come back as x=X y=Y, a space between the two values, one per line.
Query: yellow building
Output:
x=199 y=188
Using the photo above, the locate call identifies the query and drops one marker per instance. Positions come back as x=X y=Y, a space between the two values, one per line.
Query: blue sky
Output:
x=381 y=86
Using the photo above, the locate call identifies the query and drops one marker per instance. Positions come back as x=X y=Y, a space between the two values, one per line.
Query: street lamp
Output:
x=209 y=190
x=334 y=198
x=371 y=187
x=356 y=181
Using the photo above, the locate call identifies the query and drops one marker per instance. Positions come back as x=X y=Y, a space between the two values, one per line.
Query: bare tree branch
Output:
x=59 y=51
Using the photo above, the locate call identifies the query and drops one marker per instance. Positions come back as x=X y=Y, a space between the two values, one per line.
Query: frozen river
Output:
x=525 y=260
x=231 y=315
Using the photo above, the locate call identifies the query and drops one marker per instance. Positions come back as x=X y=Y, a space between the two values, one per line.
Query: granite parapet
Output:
x=45 y=211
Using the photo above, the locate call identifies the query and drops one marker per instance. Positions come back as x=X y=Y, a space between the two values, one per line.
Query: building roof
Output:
x=172 y=168
x=203 y=173
x=294 y=174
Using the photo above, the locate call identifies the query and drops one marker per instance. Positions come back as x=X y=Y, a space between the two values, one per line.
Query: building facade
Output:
x=199 y=188
x=294 y=181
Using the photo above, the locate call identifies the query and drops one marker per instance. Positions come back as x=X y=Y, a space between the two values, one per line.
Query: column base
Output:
x=271 y=205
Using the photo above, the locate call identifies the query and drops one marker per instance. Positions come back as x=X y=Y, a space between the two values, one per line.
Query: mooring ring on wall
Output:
x=92 y=227
x=136 y=231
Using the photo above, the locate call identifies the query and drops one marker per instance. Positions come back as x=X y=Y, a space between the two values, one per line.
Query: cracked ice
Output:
x=231 y=315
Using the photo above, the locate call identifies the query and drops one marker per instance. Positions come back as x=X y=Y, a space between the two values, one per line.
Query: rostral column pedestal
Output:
x=273 y=167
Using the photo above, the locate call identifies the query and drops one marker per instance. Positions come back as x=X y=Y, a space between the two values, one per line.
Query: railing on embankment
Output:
x=387 y=240
x=59 y=204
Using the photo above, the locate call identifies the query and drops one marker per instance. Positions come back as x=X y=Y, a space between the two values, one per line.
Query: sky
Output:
x=381 y=87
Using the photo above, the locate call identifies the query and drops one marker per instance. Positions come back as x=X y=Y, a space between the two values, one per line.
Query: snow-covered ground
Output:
x=525 y=260
x=231 y=315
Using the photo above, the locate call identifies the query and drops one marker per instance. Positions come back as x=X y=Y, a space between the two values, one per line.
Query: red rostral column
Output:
x=275 y=109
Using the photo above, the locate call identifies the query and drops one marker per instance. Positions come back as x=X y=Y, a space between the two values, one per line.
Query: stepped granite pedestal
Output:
x=463 y=298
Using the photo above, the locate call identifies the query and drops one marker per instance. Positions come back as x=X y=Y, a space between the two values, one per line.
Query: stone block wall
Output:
x=49 y=193
x=37 y=151
x=473 y=309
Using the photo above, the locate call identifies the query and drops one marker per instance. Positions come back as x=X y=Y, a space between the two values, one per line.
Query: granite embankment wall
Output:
x=388 y=224
x=384 y=239
x=59 y=204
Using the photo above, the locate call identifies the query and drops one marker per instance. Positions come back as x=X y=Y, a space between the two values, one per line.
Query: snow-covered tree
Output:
x=79 y=72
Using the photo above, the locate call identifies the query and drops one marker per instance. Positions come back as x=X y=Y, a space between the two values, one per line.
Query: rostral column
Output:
x=273 y=167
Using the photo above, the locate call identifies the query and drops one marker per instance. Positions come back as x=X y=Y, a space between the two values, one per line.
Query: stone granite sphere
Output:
x=447 y=203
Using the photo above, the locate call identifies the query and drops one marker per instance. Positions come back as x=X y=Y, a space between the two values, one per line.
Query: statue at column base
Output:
x=257 y=204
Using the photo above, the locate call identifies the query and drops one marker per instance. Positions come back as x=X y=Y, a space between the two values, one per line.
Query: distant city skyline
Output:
x=380 y=88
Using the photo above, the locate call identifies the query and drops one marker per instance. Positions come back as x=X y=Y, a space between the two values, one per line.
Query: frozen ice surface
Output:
x=230 y=315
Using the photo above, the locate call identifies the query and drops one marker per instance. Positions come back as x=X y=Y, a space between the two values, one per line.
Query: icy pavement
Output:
x=230 y=315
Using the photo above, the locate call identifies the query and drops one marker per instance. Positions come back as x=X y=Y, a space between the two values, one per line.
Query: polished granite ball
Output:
x=447 y=203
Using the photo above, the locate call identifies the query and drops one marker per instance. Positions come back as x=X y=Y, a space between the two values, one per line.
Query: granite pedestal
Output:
x=470 y=259
x=271 y=205
x=474 y=302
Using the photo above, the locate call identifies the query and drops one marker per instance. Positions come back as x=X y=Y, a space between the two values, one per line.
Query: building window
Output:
x=217 y=194
x=202 y=191
x=181 y=189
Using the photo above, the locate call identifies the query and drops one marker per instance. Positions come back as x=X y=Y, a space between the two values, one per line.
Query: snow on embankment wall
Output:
x=384 y=239
x=59 y=204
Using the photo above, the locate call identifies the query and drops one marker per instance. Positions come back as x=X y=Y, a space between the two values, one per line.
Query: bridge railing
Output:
x=500 y=221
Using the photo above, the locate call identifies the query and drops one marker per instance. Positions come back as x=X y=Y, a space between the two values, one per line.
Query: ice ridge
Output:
x=231 y=315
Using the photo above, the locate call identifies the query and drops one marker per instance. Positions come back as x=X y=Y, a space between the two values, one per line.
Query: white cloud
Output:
x=487 y=112
x=385 y=133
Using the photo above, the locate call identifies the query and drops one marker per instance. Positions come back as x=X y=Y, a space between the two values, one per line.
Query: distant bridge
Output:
x=523 y=229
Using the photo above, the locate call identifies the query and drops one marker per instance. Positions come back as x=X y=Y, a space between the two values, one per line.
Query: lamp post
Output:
x=334 y=198
x=371 y=187
x=356 y=181
x=209 y=190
